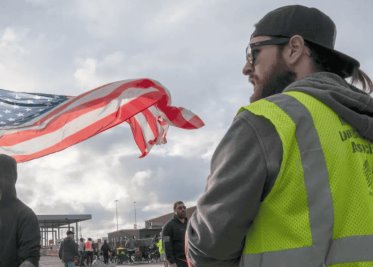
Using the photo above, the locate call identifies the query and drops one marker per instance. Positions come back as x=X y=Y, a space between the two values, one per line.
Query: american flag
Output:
x=33 y=125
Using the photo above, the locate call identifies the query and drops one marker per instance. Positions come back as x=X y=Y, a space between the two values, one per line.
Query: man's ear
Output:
x=295 y=49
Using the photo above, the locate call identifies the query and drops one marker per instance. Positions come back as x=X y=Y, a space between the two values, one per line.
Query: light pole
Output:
x=116 y=212
x=134 y=205
x=116 y=215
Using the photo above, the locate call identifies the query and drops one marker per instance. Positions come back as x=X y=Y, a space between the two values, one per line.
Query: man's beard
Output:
x=181 y=216
x=277 y=80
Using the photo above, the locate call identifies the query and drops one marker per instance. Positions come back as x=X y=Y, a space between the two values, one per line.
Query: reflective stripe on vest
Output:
x=323 y=250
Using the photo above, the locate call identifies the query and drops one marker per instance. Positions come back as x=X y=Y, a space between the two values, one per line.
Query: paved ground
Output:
x=51 y=261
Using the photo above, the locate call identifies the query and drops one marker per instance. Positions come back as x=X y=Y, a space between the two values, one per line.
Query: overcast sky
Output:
x=195 y=48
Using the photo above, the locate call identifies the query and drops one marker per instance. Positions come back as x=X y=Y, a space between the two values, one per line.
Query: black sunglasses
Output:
x=252 y=52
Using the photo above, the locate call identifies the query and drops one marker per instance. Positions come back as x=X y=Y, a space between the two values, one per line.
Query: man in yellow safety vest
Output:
x=291 y=182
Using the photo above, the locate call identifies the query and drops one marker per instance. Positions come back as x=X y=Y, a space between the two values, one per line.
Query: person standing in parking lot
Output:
x=68 y=249
x=173 y=235
x=89 y=251
x=105 y=248
x=81 y=247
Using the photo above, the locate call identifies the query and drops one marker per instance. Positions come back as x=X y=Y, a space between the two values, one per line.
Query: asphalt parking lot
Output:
x=52 y=261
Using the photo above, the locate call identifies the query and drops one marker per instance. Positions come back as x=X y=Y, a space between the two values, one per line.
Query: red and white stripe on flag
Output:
x=145 y=104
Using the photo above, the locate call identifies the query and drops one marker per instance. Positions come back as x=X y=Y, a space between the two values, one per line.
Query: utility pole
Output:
x=116 y=237
x=134 y=205
x=116 y=212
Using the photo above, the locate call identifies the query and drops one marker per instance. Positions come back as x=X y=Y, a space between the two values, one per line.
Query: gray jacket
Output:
x=245 y=165
x=68 y=250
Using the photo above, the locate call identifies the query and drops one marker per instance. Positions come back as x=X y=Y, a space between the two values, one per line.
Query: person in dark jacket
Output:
x=68 y=249
x=19 y=227
x=105 y=248
x=173 y=234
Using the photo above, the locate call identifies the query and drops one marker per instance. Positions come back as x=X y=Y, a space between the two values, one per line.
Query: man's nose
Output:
x=247 y=68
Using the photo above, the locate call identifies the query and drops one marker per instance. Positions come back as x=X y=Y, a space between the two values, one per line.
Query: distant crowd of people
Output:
x=168 y=246
x=82 y=254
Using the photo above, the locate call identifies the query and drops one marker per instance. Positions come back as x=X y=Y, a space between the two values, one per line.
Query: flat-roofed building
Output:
x=51 y=226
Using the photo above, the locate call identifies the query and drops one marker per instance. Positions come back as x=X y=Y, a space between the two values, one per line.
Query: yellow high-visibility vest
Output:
x=320 y=209
x=160 y=246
